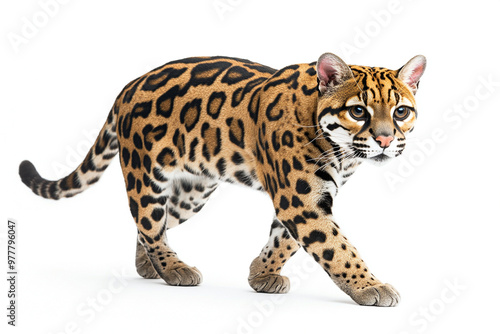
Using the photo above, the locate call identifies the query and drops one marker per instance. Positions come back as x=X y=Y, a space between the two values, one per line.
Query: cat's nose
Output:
x=384 y=141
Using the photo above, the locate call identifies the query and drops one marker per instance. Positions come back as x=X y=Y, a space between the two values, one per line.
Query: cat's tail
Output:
x=90 y=170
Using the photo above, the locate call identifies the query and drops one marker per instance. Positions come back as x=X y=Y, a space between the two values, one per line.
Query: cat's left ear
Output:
x=411 y=73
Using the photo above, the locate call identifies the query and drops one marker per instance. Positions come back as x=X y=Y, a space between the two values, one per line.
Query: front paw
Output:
x=271 y=283
x=377 y=295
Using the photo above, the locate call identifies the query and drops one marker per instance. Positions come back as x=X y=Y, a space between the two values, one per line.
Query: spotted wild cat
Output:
x=296 y=134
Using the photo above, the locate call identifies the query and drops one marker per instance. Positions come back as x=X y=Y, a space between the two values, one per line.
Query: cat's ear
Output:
x=332 y=71
x=411 y=73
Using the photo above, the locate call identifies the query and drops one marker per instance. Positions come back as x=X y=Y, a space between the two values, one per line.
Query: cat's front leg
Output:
x=311 y=224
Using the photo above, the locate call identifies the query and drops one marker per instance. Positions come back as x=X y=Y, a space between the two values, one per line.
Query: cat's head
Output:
x=367 y=111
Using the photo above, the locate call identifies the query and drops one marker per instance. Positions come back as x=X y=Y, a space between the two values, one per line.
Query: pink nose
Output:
x=384 y=141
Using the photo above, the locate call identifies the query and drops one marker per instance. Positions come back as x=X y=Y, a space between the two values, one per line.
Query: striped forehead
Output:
x=377 y=85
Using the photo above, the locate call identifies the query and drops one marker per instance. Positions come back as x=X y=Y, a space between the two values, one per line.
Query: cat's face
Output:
x=367 y=111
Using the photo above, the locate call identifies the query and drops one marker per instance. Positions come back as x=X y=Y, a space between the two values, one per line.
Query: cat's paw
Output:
x=184 y=275
x=145 y=269
x=377 y=295
x=270 y=283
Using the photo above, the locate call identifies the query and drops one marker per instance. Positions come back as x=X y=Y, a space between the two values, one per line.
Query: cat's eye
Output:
x=401 y=113
x=358 y=113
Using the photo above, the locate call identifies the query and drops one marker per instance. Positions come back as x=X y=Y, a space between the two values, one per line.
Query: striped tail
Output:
x=88 y=173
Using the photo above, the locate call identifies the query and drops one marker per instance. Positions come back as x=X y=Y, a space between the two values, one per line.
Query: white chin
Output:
x=379 y=160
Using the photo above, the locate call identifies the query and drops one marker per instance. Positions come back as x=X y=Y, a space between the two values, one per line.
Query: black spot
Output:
x=309 y=92
x=215 y=103
x=134 y=208
x=174 y=213
x=314 y=236
x=237 y=159
x=286 y=170
x=311 y=71
x=275 y=141
x=296 y=164
x=125 y=156
x=240 y=93
x=310 y=214
x=324 y=175
x=102 y=143
x=277 y=243
x=127 y=97
x=88 y=163
x=328 y=254
x=166 y=157
x=142 y=109
x=292 y=229
x=253 y=105
x=299 y=220
x=150 y=133
x=243 y=177
x=136 y=160
x=157 y=214
x=174 y=200
x=125 y=125
x=335 y=232
x=147 y=163
x=178 y=140
x=148 y=239
x=236 y=131
x=146 y=200
x=315 y=256
x=190 y=114
x=130 y=181
x=206 y=73
x=146 y=223
x=186 y=185
x=284 y=203
x=185 y=206
x=157 y=173
x=291 y=79
x=221 y=167
x=236 y=74
x=198 y=208
x=273 y=115
x=302 y=187
x=287 y=139
x=192 y=149
x=325 y=203
x=138 y=186
x=160 y=79
x=296 y=202
x=347 y=265
x=165 y=103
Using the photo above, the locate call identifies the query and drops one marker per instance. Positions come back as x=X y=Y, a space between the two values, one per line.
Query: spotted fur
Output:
x=297 y=134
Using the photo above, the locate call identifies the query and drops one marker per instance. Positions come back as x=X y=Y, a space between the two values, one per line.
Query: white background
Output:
x=423 y=223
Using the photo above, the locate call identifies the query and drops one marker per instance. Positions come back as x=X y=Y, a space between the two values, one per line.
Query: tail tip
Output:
x=27 y=172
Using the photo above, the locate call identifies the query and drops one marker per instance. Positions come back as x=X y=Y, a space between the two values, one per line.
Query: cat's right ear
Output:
x=411 y=73
x=332 y=71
